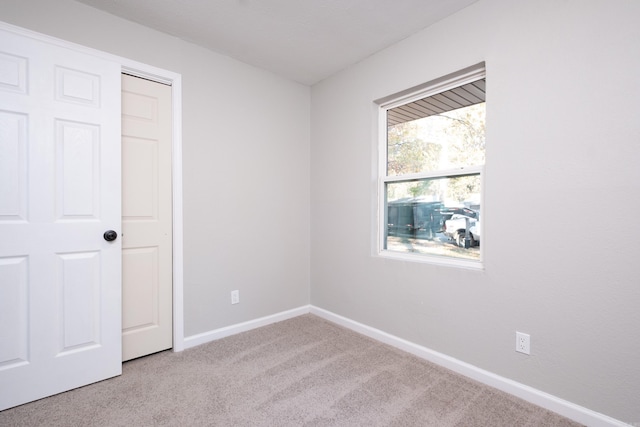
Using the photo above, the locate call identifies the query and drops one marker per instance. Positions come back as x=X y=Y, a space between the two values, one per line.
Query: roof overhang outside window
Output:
x=459 y=97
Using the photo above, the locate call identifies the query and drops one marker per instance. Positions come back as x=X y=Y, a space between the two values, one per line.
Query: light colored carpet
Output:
x=301 y=372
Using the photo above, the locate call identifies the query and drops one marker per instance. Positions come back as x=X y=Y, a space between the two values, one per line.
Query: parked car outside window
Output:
x=464 y=230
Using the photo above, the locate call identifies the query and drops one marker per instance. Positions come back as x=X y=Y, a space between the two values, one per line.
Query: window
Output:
x=432 y=153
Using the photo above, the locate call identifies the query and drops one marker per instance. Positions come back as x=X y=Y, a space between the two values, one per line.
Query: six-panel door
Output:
x=60 y=190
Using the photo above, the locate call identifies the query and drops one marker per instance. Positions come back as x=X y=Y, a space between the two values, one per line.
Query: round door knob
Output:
x=110 y=235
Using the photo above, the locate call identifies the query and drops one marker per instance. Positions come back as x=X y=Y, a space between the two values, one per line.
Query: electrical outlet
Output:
x=523 y=343
x=235 y=297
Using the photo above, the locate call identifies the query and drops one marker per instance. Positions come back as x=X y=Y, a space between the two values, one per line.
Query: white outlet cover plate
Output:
x=523 y=343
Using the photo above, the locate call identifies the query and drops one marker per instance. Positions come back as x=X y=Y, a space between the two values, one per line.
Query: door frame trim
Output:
x=173 y=79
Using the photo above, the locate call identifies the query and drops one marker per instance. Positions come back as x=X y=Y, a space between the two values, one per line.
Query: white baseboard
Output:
x=216 y=334
x=545 y=400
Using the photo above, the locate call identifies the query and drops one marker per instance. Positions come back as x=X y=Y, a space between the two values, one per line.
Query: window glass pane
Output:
x=444 y=141
x=439 y=216
x=432 y=138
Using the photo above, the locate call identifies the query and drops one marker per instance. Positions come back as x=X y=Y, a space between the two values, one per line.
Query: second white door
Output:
x=146 y=218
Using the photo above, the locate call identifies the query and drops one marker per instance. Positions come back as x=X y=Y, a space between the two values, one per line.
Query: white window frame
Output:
x=434 y=87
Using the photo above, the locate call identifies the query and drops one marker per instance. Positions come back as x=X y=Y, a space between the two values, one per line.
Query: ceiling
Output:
x=303 y=40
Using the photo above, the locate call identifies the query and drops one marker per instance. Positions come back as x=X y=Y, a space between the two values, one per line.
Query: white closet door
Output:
x=147 y=263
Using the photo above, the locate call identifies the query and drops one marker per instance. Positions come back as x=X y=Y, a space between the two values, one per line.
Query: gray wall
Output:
x=245 y=162
x=561 y=197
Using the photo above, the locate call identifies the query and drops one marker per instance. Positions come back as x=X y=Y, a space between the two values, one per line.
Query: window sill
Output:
x=433 y=259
